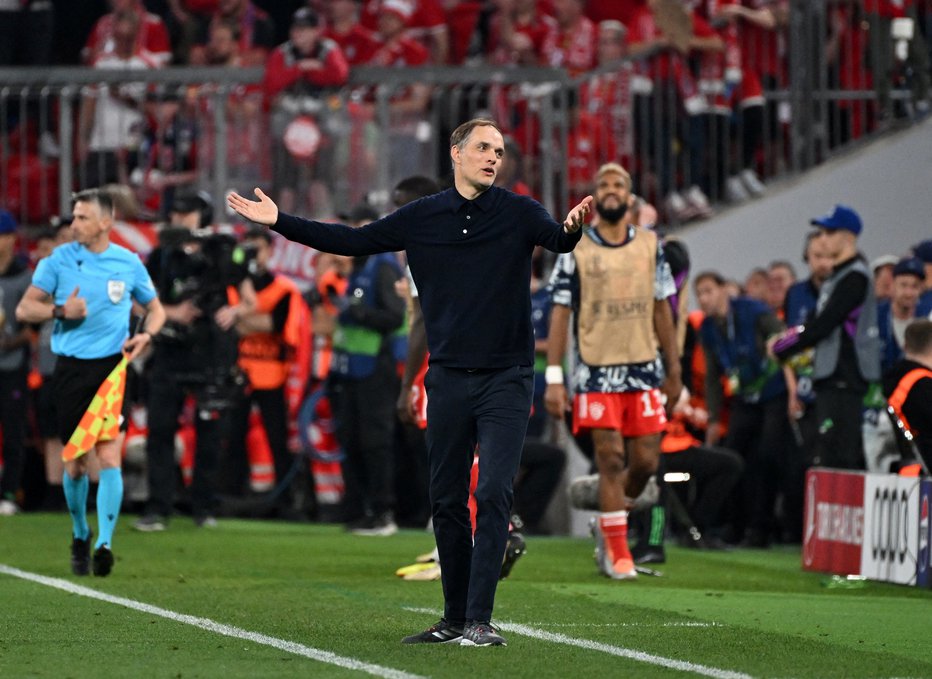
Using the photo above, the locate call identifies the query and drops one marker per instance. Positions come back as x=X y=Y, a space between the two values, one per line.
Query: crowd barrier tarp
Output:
x=873 y=525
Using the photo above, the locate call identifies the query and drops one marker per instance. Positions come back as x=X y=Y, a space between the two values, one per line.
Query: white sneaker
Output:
x=735 y=191
x=8 y=508
x=700 y=203
x=752 y=183
x=621 y=569
x=677 y=208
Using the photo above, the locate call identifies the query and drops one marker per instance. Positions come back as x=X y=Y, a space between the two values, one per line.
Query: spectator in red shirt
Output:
x=343 y=27
x=753 y=32
x=425 y=22
x=297 y=74
x=407 y=128
x=257 y=32
x=517 y=29
x=606 y=95
x=186 y=21
x=462 y=19
x=618 y=10
x=152 y=36
x=671 y=81
x=573 y=45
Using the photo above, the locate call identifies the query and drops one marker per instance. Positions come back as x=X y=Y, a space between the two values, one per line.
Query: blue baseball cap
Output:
x=842 y=217
x=924 y=251
x=910 y=266
x=7 y=222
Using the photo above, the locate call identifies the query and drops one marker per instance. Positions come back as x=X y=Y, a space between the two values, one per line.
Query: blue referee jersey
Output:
x=108 y=281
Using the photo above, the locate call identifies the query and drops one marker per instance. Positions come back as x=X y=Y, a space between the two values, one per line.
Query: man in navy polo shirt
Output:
x=469 y=249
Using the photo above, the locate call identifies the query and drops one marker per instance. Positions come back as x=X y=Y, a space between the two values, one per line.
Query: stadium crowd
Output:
x=251 y=403
x=693 y=119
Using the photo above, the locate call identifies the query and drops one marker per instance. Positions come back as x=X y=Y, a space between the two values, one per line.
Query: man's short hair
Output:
x=257 y=232
x=614 y=168
x=99 y=196
x=918 y=337
x=414 y=187
x=713 y=276
x=782 y=264
x=461 y=133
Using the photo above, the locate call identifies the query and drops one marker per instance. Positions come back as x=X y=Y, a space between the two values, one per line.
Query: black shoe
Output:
x=441 y=633
x=715 y=543
x=481 y=634
x=515 y=548
x=103 y=561
x=649 y=555
x=81 y=555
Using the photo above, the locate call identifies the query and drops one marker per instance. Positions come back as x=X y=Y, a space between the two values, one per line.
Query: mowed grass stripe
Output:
x=590 y=645
x=213 y=626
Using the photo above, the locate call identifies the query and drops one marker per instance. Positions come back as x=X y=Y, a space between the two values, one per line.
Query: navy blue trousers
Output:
x=488 y=408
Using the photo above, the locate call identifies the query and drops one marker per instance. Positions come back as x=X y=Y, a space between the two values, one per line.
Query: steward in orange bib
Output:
x=269 y=336
x=908 y=387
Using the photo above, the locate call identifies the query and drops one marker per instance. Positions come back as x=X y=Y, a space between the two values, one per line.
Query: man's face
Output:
x=883 y=281
x=221 y=45
x=89 y=224
x=188 y=220
x=755 y=285
x=779 y=280
x=390 y=25
x=611 y=194
x=819 y=260
x=263 y=253
x=712 y=297
x=906 y=291
x=304 y=38
x=341 y=10
x=610 y=46
x=477 y=159
x=44 y=247
x=567 y=11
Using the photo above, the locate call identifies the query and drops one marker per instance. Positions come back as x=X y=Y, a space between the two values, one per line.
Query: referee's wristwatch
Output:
x=58 y=311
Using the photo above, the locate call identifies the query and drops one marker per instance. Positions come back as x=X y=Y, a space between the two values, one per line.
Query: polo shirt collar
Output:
x=483 y=202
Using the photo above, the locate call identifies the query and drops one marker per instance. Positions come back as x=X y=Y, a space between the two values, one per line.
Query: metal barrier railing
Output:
x=66 y=128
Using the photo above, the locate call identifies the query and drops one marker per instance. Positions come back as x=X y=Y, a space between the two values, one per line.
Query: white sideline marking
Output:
x=216 y=627
x=628 y=624
x=590 y=645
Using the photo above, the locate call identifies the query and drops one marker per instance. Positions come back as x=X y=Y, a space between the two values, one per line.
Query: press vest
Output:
x=263 y=355
x=356 y=348
x=616 y=309
x=861 y=326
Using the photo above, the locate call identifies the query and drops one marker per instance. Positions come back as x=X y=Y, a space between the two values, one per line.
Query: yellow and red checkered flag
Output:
x=101 y=420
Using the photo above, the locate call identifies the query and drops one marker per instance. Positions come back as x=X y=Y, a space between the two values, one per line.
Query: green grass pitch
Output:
x=335 y=597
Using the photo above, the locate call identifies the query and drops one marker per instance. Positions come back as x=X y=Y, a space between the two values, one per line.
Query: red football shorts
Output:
x=633 y=413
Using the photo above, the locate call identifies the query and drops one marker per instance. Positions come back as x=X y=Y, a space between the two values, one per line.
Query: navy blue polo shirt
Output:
x=471 y=262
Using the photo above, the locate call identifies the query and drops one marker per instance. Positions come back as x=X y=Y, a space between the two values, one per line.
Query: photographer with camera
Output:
x=269 y=338
x=196 y=353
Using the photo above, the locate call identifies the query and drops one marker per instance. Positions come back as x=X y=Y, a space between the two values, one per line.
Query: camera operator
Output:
x=269 y=336
x=195 y=354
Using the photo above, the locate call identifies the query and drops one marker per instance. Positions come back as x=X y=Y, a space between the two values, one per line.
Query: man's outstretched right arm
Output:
x=339 y=239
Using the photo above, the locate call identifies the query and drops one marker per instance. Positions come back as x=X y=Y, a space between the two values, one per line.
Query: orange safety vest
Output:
x=323 y=344
x=676 y=438
x=264 y=356
x=898 y=397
